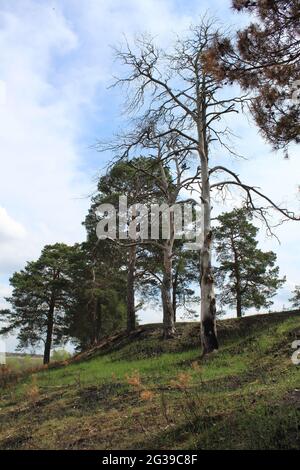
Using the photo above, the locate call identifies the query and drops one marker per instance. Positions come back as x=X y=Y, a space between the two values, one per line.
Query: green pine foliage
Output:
x=247 y=276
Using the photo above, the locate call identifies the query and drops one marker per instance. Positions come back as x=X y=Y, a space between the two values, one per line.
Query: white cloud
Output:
x=39 y=179
x=10 y=229
x=12 y=238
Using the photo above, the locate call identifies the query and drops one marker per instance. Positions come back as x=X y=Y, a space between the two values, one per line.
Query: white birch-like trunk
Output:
x=166 y=293
x=208 y=300
x=167 y=281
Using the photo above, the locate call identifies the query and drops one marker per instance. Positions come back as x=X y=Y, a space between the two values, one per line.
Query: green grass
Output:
x=142 y=392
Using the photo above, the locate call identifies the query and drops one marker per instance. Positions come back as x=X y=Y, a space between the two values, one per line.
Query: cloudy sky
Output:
x=55 y=69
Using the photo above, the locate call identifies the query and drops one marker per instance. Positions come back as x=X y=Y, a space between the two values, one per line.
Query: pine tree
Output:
x=265 y=58
x=39 y=300
x=247 y=276
x=123 y=179
x=98 y=294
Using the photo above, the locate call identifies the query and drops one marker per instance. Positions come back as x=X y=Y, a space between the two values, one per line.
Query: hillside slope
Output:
x=141 y=392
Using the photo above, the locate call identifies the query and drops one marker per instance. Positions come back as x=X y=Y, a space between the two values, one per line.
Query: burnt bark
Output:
x=208 y=301
x=174 y=294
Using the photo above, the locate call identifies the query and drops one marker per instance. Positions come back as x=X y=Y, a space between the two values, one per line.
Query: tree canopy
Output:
x=40 y=298
x=264 y=58
x=247 y=275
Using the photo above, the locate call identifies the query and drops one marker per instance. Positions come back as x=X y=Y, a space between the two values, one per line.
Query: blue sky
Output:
x=55 y=70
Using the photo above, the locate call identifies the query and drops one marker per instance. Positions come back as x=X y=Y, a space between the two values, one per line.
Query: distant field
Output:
x=22 y=362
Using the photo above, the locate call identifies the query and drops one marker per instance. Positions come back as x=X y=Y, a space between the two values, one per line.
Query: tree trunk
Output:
x=131 y=320
x=237 y=281
x=239 y=306
x=174 y=294
x=50 y=323
x=208 y=300
x=166 y=292
x=167 y=281
x=238 y=291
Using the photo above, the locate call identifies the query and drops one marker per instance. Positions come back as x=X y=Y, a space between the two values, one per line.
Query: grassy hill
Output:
x=141 y=392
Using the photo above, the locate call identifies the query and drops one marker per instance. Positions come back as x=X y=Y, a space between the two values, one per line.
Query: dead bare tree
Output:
x=174 y=95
